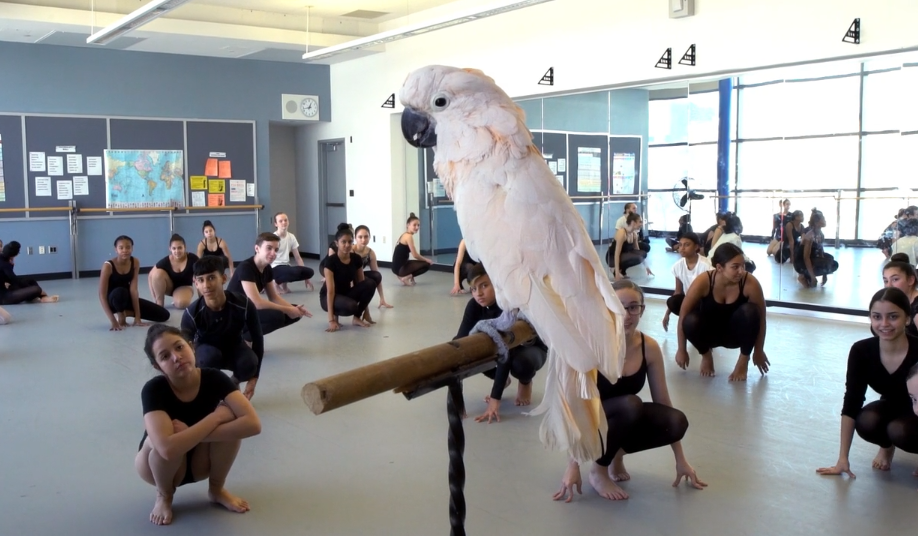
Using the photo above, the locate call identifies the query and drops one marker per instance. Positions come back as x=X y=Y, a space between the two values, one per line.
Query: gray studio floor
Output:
x=71 y=416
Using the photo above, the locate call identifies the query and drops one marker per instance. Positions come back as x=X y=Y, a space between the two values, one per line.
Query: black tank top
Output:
x=215 y=253
x=119 y=280
x=626 y=385
x=710 y=306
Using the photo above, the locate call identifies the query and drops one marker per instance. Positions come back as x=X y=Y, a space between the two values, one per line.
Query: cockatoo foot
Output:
x=494 y=327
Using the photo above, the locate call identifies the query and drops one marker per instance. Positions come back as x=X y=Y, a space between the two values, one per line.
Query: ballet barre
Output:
x=416 y=374
x=37 y=209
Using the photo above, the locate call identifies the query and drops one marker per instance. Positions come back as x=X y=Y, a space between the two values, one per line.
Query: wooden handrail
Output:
x=225 y=207
x=36 y=209
x=160 y=209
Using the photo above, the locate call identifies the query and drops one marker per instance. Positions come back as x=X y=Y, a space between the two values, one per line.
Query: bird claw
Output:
x=494 y=327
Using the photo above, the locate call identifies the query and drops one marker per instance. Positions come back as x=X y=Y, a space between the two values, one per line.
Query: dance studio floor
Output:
x=71 y=417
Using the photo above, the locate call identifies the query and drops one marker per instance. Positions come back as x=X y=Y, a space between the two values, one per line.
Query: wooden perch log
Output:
x=405 y=371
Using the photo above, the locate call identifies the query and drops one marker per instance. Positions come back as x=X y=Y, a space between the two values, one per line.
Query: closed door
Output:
x=334 y=179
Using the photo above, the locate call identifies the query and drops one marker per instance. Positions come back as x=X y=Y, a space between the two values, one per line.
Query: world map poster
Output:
x=144 y=179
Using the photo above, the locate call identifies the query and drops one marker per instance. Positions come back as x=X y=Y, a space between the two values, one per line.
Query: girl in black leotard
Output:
x=634 y=425
x=882 y=363
x=194 y=422
x=362 y=248
x=461 y=267
x=725 y=308
x=405 y=269
x=902 y=275
x=212 y=245
x=15 y=289
x=118 y=289
x=346 y=292
x=811 y=260
x=793 y=232
x=173 y=275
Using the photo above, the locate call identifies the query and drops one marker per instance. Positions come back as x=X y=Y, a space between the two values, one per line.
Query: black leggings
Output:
x=374 y=276
x=823 y=265
x=273 y=320
x=740 y=330
x=635 y=426
x=413 y=268
x=25 y=290
x=674 y=303
x=882 y=424
x=286 y=273
x=522 y=363
x=119 y=301
x=352 y=302
x=238 y=358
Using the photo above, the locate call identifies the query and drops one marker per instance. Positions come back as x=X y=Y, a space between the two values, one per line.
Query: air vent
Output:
x=365 y=14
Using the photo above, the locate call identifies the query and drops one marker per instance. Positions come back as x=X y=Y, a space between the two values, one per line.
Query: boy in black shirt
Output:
x=215 y=323
x=254 y=276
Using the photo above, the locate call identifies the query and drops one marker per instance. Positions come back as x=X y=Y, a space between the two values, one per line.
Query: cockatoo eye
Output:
x=440 y=101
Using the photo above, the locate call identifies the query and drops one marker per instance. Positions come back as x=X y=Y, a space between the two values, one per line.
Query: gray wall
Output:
x=283 y=173
x=47 y=79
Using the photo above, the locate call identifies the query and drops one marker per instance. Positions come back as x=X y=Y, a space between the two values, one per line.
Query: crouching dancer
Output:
x=194 y=420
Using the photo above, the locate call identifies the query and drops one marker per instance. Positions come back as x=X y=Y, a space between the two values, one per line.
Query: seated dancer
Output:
x=907 y=235
x=15 y=289
x=118 y=289
x=461 y=267
x=690 y=266
x=902 y=275
x=882 y=363
x=713 y=233
x=778 y=225
x=345 y=287
x=211 y=245
x=625 y=250
x=811 y=260
x=172 y=275
x=685 y=227
x=731 y=233
x=793 y=236
x=215 y=324
x=630 y=208
x=254 y=276
x=634 y=425
x=725 y=307
x=523 y=361
x=284 y=272
x=405 y=269
x=368 y=256
x=194 y=422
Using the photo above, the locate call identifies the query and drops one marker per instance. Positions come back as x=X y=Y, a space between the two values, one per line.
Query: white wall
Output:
x=591 y=44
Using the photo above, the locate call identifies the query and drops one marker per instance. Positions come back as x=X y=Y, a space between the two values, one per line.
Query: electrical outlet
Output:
x=384 y=239
x=374 y=239
x=29 y=250
x=52 y=249
x=41 y=250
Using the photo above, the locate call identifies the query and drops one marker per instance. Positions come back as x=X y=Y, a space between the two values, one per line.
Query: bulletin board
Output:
x=11 y=166
x=554 y=150
x=64 y=160
x=588 y=164
x=221 y=163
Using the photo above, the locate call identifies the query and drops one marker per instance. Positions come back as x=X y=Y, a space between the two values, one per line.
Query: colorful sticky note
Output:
x=216 y=186
x=210 y=168
x=198 y=182
x=226 y=169
x=215 y=200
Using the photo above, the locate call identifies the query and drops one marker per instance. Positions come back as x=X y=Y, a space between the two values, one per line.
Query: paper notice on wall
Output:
x=250 y=189
x=81 y=185
x=56 y=166
x=74 y=164
x=562 y=165
x=36 y=161
x=216 y=186
x=589 y=169
x=64 y=190
x=226 y=169
x=198 y=199
x=623 y=173
x=43 y=186
x=210 y=167
x=198 y=182
x=93 y=165
x=65 y=148
x=560 y=179
x=237 y=191
x=217 y=155
x=553 y=166
x=215 y=200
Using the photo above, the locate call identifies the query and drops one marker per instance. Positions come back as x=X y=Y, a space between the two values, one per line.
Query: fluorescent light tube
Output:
x=421 y=27
x=134 y=20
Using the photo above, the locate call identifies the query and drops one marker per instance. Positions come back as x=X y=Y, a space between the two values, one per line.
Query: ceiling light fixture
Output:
x=132 y=21
x=421 y=27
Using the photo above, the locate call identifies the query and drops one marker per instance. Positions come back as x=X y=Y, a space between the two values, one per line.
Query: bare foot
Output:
x=825 y=279
x=741 y=370
x=604 y=485
x=228 y=500
x=162 y=510
x=366 y=316
x=707 y=365
x=884 y=459
x=405 y=280
x=524 y=394
x=50 y=299
x=282 y=289
x=411 y=280
x=617 y=471
x=361 y=323
x=309 y=286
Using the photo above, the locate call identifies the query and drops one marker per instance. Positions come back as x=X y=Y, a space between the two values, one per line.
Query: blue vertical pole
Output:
x=725 y=91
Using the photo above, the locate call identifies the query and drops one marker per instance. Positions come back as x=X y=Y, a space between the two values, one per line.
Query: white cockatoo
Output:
x=517 y=219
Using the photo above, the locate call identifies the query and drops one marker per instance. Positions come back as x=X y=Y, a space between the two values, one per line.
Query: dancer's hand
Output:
x=666 y=321
x=456 y=290
x=333 y=326
x=492 y=413
x=178 y=426
x=570 y=481
x=682 y=358
x=138 y=323
x=684 y=470
x=760 y=360
x=116 y=326
x=224 y=413
x=840 y=467
x=250 y=388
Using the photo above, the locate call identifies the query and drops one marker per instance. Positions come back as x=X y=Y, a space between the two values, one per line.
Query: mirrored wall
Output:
x=835 y=136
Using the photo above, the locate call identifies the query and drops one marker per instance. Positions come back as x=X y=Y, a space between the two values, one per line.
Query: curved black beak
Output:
x=417 y=129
